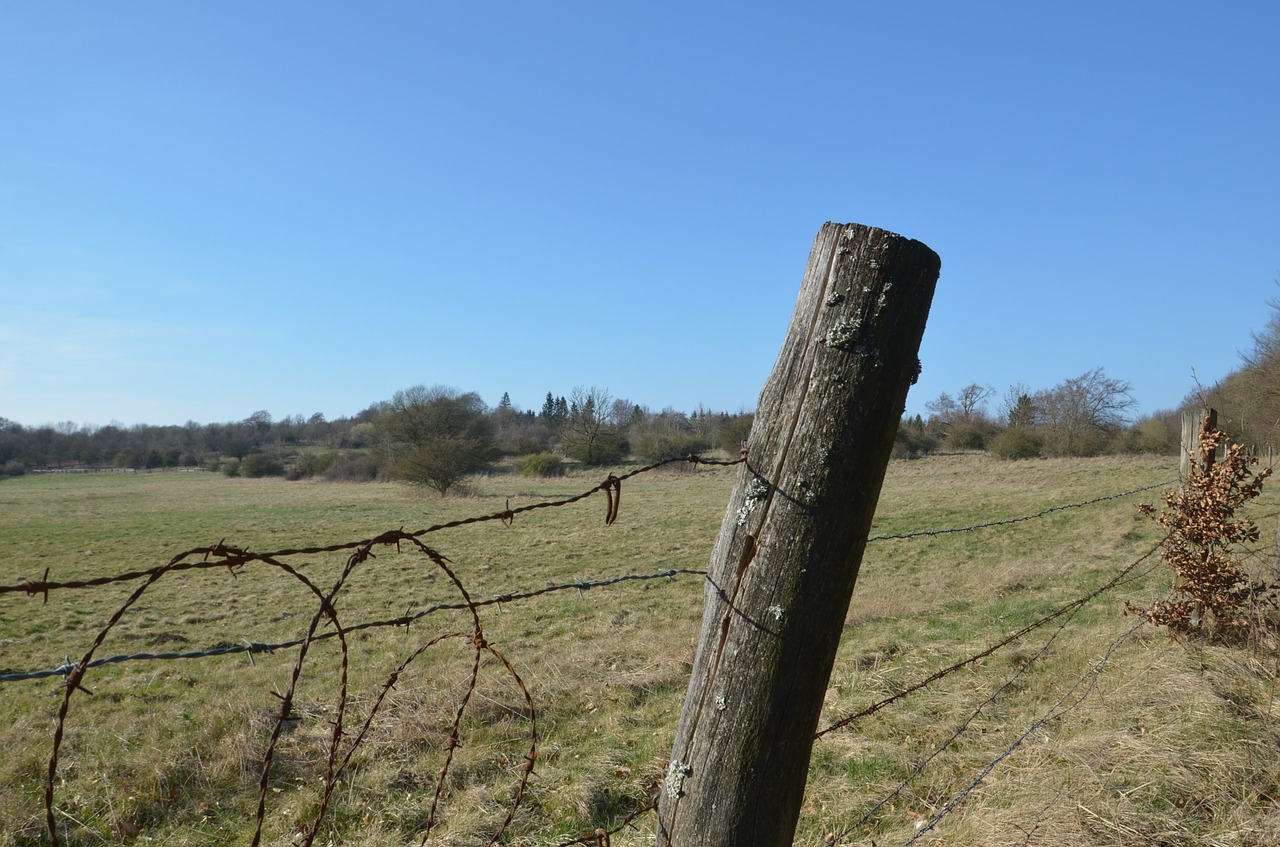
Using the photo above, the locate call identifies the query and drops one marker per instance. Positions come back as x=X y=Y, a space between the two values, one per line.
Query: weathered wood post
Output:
x=784 y=565
x=1191 y=425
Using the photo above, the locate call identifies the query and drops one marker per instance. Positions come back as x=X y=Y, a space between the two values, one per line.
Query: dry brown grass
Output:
x=1176 y=745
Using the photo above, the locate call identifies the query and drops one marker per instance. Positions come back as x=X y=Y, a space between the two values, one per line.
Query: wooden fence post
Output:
x=785 y=562
x=1191 y=423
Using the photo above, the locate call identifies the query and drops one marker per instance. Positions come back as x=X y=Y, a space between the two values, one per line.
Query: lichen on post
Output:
x=784 y=565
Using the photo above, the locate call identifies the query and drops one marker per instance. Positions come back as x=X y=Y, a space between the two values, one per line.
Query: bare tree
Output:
x=590 y=430
x=1079 y=415
x=972 y=401
x=968 y=405
x=942 y=410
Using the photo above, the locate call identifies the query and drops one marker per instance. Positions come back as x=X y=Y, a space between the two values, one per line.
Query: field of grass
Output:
x=1173 y=744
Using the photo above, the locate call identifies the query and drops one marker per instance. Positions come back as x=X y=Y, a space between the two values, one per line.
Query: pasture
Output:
x=1163 y=743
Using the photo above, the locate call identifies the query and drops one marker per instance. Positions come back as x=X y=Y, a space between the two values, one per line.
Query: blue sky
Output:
x=207 y=209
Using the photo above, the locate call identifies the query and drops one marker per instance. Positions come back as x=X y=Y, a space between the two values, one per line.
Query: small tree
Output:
x=1080 y=415
x=434 y=436
x=972 y=401
x=1211 y=595
x=441 y=462
x=590 y=430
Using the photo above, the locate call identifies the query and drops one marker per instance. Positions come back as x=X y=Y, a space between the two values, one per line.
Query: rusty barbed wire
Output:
x=232 y=558
x=599 y=837
x=336 y=763
x=325 y=615
x=1070 y=608
x=249 y=648
x=924 y=533
x=960 y=730
x=326 y=625
x=1069 y=701
x=43 y=586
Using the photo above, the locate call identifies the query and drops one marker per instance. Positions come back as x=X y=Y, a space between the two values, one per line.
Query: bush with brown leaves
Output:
x=1212 y=596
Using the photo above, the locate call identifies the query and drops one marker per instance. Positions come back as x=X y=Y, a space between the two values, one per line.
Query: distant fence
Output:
x=326 y=624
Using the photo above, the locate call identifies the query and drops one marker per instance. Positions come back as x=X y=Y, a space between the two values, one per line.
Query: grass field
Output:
x=1173 y=744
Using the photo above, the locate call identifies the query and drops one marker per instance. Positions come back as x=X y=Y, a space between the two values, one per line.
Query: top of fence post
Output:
x=1191 y=425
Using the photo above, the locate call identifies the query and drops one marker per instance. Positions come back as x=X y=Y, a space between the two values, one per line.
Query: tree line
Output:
x=1248 y=399
x=433 y=436
x=1086 y=415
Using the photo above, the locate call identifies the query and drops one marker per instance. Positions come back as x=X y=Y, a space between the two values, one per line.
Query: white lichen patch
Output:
x=721 y=704
x=757 y=490
x=844 y=335
x=835 y=298
x=673 y=785
x=776 y=611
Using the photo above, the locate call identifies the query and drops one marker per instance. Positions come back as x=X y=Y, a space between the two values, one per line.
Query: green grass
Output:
x=1175 y=746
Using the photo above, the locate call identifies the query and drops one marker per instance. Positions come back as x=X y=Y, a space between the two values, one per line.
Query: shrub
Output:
x=307 y=465
x=659 y=444
x=729 y=438
x=966 y=435
x=522 y=445
x=911 y=442
x=542 y=464
x=441 y=462
x=358 y=468
x=606 y=449
x=257 y=465
x=1150 y=436
x=1212 y=595
x=229 y=466
x=1016 y=442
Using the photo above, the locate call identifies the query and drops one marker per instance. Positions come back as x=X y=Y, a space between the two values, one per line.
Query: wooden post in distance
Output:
x=785 y=562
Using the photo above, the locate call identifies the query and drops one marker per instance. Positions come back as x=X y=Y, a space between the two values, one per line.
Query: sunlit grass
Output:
x=171 y=750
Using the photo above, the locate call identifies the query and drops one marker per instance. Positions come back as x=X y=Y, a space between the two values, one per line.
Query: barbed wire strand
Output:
x=253 y=647
x=600 y=836
x=1087 y=681
x=960 y=730
x=33 y=588
x=1005 y=521
x=1066 y=612
x=1070 y=608
x=231 y=558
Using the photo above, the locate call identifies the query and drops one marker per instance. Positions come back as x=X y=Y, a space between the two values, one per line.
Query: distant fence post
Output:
x=784 y=565
x=1191 y=425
